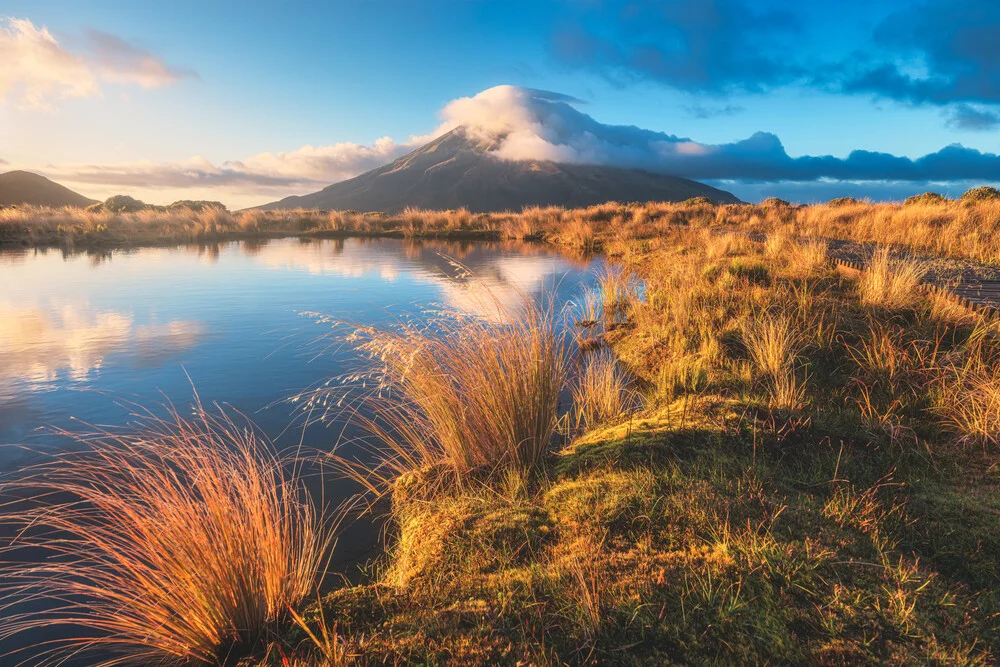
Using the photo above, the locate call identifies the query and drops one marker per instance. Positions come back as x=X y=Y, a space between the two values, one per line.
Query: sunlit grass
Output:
x=889 y=282
x=602 y=391
x=169 y=543
x=468 y=393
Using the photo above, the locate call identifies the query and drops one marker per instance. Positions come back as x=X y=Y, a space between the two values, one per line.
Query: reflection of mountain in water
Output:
x=472 y=277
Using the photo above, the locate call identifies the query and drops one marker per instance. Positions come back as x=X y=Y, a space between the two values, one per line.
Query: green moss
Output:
x=711 y=529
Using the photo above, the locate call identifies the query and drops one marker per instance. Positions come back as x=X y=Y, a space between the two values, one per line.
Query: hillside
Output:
x=456 y=170
x=19 y=188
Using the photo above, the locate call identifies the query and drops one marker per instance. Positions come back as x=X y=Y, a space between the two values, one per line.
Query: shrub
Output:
x=925 y=198
x=981 y=193
x=843 y=201
x=775 y=202
x=698 y=201
x=196 y=205
x=123 y=204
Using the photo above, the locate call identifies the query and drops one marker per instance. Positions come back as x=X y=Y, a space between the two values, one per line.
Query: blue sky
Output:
x=205 y=88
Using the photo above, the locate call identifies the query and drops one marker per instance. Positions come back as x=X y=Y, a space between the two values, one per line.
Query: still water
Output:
x=82 y=333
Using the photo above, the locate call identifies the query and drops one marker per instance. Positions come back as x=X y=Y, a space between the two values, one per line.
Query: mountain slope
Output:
x=456 y=170
x=25 y=188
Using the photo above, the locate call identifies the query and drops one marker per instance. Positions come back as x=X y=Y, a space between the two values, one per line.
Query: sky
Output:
x=253 y=101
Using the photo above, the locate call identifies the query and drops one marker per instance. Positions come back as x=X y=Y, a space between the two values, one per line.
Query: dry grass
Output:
x=603 y=390
x=969 y=400
x=962 y=228
x=464 y=392
x=619 y=292
x=169 y=544
x=889 y=282
x=774 y=344
x=807 y=257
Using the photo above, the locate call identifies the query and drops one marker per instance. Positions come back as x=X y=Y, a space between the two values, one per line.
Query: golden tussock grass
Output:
x=168 y=544
x=774 y=344
x=602 y=391
x=969 y=396
x=890 y=282
x=960 y=228
x=468 y=393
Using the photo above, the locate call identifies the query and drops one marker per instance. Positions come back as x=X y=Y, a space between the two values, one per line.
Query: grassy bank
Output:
x=764 y=461
x=968 y=227
x=808 y=475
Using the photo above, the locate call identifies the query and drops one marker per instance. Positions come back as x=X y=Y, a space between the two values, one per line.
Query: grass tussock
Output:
x=171 y=544
x=889 y=282
x=465 y=393
x=603 y=390
x=968 y=227
x=773 y=343
x=969 y=399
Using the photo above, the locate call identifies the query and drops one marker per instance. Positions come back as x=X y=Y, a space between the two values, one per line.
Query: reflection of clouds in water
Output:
x=37 y=344
x=499 y=278
x=329 y=257
x=499 y=286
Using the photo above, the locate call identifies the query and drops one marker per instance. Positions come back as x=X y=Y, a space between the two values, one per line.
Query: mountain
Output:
x=24 y=188
x=457 y=170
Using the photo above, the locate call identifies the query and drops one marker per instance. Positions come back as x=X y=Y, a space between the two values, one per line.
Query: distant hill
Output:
x=25 y=188
x=457 y=170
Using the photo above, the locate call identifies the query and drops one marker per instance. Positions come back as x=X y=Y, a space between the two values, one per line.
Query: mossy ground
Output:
x=712 y=527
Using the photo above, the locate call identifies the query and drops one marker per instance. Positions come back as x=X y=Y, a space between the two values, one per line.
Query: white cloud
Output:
x=305 y=169
x=37 y=70
x=523 y=124
x=43 y=343
x=117 y=61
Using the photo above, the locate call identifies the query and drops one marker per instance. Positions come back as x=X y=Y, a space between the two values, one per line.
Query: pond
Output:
x=81 y=333
x=87 y=336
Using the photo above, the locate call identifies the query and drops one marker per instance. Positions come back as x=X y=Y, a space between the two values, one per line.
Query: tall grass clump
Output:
x=774 y=344
x=472 y=393
x=619 y=292
x=173 y=543
x=807 y=257
x=889 y=282
x=969 y=400
x=603 y=390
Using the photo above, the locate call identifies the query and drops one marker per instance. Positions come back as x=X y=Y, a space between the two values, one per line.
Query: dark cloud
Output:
x=941 y=52
x=698 y=45
x=955 y=44
x=704 y=112
x=965 y=117
x=537 y=125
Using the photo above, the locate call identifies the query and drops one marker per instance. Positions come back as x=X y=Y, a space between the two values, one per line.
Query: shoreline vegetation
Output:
x=765 y=460
x=927 y=224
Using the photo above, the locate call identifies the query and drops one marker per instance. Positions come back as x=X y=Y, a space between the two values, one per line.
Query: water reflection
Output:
x=38 y=344
x=144 y=323
x=478 y=278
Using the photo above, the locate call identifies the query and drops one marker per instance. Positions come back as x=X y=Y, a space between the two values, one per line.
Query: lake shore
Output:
x=767 y=460
x=962 y=228
x=804 y=480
